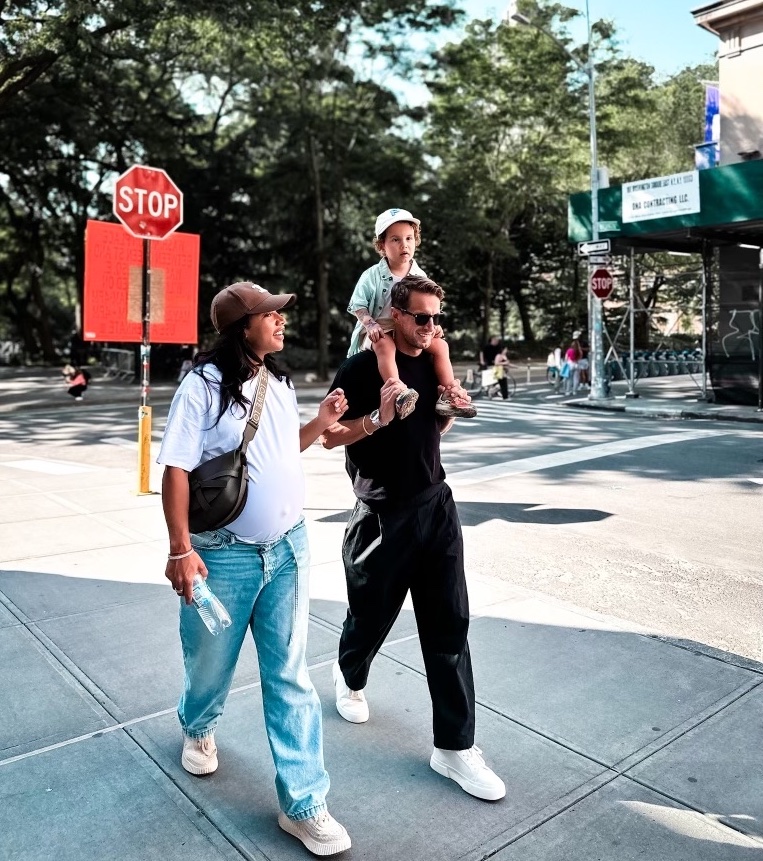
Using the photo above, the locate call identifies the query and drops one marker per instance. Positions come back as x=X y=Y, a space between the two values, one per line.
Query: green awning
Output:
x=731 y=212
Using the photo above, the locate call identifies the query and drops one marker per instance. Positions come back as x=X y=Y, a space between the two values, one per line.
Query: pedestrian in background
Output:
x=553 y=365
x=488 y=352
x=258 y=565
x=570 y=368
x=502 y=365
x=77 y=382
x=185 y=366
x=404 y=535
x=583 y=367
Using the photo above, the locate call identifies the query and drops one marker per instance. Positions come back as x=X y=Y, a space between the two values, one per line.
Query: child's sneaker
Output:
x=405 y=403
x=445 y=407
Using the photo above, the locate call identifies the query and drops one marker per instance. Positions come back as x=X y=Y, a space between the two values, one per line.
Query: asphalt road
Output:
x=652 y=521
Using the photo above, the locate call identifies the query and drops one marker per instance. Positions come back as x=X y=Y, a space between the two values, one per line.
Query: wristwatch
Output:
x=376 y=420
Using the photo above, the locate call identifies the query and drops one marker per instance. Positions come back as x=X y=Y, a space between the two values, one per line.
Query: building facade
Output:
x=738 y=24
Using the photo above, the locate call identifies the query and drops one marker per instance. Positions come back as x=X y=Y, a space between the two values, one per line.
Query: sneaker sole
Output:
x=351 y=718
x=466 y=785
x=199 y=770
x=313 y=845
x=452 y=412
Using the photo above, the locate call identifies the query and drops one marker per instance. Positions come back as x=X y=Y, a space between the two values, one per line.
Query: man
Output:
x=404 y=534
x=489 y=352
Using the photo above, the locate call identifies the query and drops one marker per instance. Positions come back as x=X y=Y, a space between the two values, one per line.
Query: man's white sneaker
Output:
x=199 y=754
x=351 y=705
x=321 y=834
x=468 y=769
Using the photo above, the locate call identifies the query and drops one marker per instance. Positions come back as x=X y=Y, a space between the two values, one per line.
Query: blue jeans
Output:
x=264 y=588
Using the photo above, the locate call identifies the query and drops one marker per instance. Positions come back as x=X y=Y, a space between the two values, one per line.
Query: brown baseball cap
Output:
x=244 y=298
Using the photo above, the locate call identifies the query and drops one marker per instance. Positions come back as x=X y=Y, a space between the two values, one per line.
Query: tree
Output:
x=500 y=121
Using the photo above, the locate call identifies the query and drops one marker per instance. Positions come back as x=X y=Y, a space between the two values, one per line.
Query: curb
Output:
x=669 y=413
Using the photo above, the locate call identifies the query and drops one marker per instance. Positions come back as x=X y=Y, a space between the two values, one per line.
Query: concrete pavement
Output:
x=614 y=743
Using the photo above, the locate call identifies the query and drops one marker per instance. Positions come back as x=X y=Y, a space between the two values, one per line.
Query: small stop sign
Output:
x=148 y=202
x=602 y=283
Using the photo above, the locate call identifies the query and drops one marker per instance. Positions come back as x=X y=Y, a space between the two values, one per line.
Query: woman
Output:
x=502 y=365
x=570 y=370
x=257 y=565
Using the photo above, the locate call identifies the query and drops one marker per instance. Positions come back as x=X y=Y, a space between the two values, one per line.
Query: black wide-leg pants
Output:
x=416 y=547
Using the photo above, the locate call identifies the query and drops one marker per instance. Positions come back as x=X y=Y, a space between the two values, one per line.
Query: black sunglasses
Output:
x=423 y=319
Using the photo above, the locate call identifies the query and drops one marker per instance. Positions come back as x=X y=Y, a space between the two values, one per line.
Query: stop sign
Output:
x=601 y=283
x=148 y=202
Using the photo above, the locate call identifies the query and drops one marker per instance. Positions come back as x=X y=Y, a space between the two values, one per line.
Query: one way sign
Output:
x=601 y=246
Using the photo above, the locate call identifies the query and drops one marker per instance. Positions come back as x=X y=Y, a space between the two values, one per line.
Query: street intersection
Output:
x=616 y=638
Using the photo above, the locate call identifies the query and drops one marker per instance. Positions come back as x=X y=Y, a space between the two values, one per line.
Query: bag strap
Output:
x=253 y=422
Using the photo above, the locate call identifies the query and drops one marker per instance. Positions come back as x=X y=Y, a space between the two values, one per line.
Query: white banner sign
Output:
x=661 y=197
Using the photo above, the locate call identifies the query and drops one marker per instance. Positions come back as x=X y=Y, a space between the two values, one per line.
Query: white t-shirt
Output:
x=276 y=494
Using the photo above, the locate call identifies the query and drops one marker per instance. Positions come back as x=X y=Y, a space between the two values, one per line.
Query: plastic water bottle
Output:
x=211 y=610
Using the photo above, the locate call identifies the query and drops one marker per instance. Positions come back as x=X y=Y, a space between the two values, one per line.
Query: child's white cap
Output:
x=392 y=216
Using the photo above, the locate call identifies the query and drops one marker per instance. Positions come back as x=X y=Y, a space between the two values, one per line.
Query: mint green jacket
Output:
x=372 y=292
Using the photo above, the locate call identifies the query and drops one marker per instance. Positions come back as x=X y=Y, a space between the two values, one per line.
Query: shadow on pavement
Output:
x=610 y=741
x=474 y=513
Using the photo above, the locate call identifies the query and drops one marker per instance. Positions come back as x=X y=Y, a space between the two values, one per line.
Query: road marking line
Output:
x=120 y=440
x=576 y=455
x=51 y=467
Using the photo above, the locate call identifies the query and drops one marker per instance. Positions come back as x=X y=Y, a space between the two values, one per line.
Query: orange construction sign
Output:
x=114 y=290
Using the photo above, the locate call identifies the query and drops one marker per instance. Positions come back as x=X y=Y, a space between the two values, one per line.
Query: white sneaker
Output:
x=351 y=705
x=199 y=754
x=321 y=834
x=468 y=769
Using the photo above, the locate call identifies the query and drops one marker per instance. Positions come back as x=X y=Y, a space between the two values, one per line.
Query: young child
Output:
x=77 y=383
x=397 y=235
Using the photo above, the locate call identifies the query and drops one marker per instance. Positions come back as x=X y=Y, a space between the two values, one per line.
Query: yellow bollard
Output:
x=144 y=449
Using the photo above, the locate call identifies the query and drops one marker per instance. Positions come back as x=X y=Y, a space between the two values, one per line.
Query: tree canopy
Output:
x=287 y=128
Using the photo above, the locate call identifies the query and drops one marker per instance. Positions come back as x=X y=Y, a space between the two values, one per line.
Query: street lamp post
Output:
x=595 y=317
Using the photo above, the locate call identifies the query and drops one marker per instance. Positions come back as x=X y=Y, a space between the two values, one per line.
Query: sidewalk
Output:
x=614 y=743
x=676 y=397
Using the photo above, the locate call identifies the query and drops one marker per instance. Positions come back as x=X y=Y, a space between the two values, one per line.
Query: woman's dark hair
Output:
x=236 y=361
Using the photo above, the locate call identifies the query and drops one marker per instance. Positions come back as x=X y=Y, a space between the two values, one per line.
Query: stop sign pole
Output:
x=150 y=206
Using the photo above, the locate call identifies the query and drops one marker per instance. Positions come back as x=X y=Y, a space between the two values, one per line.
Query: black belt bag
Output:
x=218 y=487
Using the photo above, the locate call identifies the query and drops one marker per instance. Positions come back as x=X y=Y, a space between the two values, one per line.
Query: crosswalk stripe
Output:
x=569 y=456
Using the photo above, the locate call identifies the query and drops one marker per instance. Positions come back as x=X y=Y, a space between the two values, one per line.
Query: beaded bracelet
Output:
x=363 y=423
x=173 y=556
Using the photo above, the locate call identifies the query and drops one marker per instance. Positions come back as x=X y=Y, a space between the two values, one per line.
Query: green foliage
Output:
x=283 y=126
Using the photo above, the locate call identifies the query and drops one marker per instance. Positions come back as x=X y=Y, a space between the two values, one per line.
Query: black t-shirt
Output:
x=489 y=352
x=402 y=459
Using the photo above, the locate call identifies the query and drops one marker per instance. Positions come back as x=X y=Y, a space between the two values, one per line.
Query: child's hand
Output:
x=455 y=393
x=438 y=332
x=374 y=331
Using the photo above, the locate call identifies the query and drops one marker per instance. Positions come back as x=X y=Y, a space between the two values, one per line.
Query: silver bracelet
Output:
x=173 y=556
